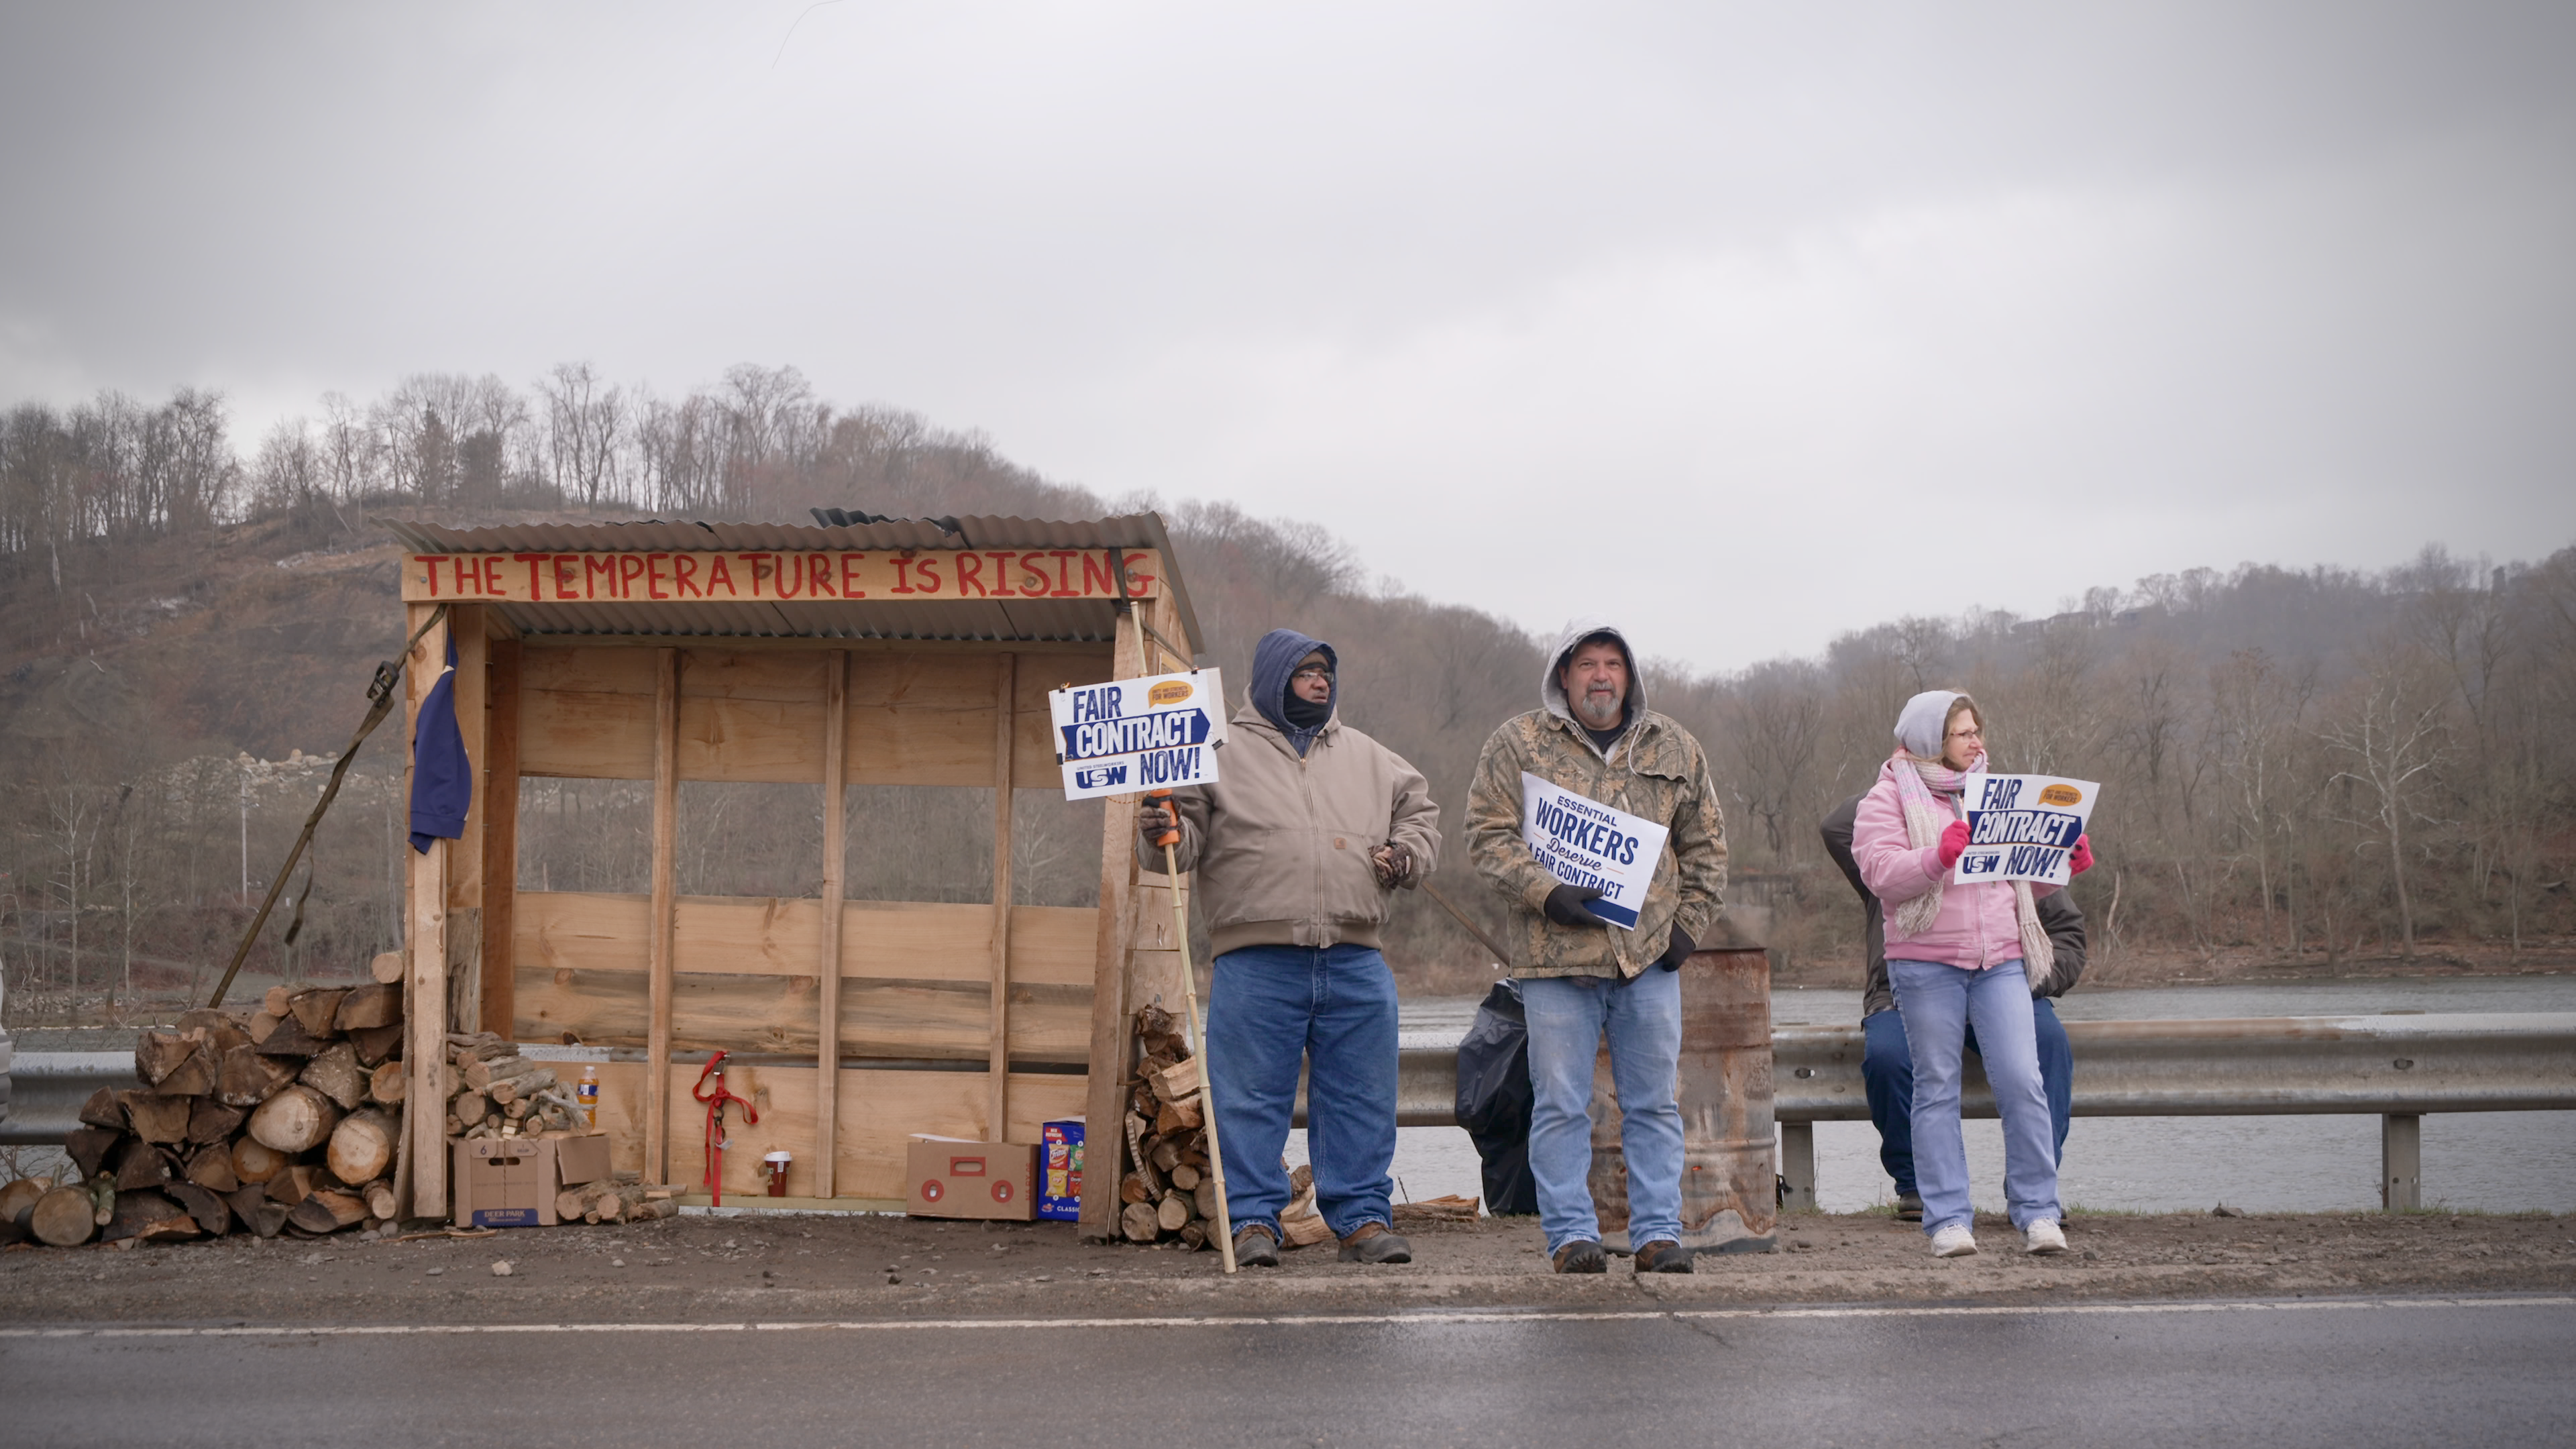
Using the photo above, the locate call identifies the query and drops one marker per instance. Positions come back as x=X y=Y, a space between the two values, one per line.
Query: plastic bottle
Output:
x=588 y=1094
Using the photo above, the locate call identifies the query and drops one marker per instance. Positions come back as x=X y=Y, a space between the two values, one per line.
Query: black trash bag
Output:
x=1494 y=1098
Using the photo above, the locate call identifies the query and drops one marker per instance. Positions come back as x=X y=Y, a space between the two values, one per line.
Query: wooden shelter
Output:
x=857 y=652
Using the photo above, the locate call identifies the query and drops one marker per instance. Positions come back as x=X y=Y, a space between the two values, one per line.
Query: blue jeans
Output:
x=1887 y=1075
x=1567 y=1016
x=1270 y=1007
x=1940 y=1003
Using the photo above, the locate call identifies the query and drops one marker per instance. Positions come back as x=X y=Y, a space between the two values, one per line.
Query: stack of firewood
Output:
x=495 y=1092
x=625 y=1199
x=1170 y=1191
x=284 y=1119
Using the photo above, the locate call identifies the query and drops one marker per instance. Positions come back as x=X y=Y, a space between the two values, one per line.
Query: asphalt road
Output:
x=2345 y=1373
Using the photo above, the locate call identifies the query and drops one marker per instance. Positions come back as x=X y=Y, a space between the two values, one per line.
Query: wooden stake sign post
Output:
x=631 y=662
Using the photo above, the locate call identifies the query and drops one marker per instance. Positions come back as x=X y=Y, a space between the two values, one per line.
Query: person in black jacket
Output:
x=1887 y=1067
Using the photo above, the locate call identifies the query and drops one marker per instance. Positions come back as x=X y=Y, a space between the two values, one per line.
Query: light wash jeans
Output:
x=1567 y=1017
x=1272 y=1006
x=1939 y=1003
x=1887 y=1078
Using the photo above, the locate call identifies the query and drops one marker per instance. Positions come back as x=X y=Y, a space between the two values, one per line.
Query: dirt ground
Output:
x=817 y=1266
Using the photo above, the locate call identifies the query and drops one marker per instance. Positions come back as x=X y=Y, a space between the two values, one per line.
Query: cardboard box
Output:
x=1060 y=1169
x=956 y=1177
x=511 y=1182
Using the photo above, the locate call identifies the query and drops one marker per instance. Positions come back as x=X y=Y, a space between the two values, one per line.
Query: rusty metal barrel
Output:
x=1730 y=1190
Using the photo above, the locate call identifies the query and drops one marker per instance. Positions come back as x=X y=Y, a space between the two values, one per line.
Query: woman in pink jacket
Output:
x=1961 y=959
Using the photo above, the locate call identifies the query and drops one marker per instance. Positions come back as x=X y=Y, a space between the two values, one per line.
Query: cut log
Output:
x=64 y=1217
x=209 y=1210
x=387 y=1083
x=362 y=1147
x=1132 y=1188
x=289 y=1039
x=1185 y=1177
x=334 y=1072
x=328 y=1212
x=255 y=1161
x=209 y=1120
x=387 y=966
x=274 y=1002
x=514 y=1111
x=1140 y=1222
x=368 y=1007
x=571 y=1203
x=158 y=1053
x=480 y=1074
x=471 y=1107
x=212 y=1169
x=147 y=1215
x=1177 y=1082
x=139 y=1164
x=1174 y=1211
x=1167 y=1155
x=223 y=1029
x=262 y=1023
x=1194 y=1234
x=249 y=1077
x=103 y=1110
x=377 y=1044
x=382 y=1201
x=194 y=1077
x=19 y=1198
x=254 y=1209
x=1174 y=1117
x=292 y=1184
x=1203 y=1201
x=89 y=1147
x=294 y=1120
x=157 y=1118
x=316 y=1007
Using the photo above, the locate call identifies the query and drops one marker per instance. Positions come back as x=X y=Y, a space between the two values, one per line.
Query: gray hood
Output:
x=1552 y=694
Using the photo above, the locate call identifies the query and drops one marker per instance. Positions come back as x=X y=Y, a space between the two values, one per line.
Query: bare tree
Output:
x=2389 y=739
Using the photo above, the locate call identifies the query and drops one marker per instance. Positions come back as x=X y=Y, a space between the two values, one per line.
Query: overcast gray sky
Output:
x=1746 y=325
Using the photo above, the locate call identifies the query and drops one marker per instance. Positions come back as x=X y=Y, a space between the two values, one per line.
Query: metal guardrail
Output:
x=2399 y=1067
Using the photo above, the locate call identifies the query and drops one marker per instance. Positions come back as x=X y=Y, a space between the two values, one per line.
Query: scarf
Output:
x=1928 y=791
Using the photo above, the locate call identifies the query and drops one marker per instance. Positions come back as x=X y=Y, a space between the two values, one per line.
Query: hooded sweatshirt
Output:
x=1282 y=839
x=1654 y=769
x=1274 y=660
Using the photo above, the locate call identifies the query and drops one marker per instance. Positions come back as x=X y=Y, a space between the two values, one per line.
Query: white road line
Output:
x=1321 y=1320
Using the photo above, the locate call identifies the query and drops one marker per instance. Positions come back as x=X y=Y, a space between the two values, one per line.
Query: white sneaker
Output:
x=2043 y=1236
x=1954 y=1241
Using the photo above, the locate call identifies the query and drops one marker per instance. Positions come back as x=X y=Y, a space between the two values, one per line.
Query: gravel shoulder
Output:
x=817 y=1266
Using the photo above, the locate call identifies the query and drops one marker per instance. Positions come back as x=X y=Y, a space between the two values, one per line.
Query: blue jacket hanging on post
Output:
x=442 y=779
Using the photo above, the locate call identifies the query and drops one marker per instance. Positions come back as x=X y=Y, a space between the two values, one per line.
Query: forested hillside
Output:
x=2299 y=766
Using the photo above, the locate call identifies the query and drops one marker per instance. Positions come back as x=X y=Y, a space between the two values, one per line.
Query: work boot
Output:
x=1663 y=1256
x=1375 y=1243
x=1582 y=1256
x=1254 y=1247
x=1909 y=1207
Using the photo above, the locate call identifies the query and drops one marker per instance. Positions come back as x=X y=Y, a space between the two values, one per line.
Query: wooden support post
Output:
x=1005 y=682
x=425 y=974
x=465 y=855
x=827 y=1051
x=666 y=821
x=1105 y=1105
x=501 y=842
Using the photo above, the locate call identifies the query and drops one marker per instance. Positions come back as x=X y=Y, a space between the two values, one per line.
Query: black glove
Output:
x=1397 y=866
x=1565 y=906
x=1152 y=821
x=1677 y=952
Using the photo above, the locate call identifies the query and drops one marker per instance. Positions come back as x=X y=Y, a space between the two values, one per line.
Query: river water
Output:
x=2482 y=1161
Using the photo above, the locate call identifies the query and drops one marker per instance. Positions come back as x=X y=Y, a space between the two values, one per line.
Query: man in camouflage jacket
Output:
x=1580 y=975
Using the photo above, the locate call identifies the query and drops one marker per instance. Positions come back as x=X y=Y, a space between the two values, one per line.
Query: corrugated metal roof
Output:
x=1080 y=619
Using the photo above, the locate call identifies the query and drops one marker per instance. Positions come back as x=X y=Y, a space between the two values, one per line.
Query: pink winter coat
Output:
x=1975 y=929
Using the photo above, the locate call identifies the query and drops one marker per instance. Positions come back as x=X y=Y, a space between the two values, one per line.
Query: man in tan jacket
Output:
x=1297 y=846
x=1583 y=976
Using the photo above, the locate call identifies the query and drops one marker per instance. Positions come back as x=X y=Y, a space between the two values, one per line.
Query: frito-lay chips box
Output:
x=1060 y=1170
x=955 y=1177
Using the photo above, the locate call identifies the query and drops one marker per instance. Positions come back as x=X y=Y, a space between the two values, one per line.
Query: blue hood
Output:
x=1273 y=660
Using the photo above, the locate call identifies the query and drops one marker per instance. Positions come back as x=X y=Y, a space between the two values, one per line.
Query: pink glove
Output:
x=1953 y=841
x=2080 y=859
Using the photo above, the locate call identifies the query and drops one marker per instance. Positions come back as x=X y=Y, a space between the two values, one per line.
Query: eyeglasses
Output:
x=1313 y=671
x=1967 y=734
